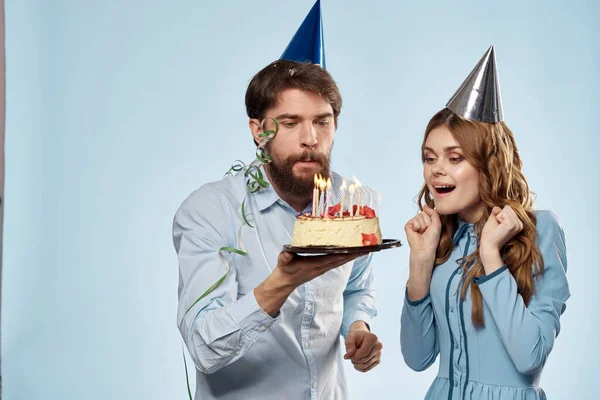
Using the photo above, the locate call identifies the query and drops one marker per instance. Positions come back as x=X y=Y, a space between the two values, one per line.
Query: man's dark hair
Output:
x=265 y=86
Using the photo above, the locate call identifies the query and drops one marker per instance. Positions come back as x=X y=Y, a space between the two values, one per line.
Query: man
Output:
x=267 y=323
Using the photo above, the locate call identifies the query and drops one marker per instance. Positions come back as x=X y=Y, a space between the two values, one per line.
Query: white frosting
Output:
x=340 y=232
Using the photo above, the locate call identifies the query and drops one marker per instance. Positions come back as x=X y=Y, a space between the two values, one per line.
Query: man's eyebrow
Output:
x=286 y=116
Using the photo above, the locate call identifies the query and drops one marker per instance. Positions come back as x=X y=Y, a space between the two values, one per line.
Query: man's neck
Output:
x=298 y=204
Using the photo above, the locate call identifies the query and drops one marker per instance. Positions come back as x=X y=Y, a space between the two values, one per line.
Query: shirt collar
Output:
x=265 y=197
x=463 y=228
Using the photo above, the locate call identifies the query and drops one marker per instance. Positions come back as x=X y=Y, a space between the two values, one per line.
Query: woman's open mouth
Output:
x=444 y=190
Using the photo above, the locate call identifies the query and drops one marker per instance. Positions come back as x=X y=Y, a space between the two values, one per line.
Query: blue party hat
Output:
x=308 y=45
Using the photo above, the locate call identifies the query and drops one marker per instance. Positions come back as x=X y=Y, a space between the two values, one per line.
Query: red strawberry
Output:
x=369 y=239
x=334 y=210
x=368 y=212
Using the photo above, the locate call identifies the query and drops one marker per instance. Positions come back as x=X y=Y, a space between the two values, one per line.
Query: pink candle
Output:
x=321 y=205
x=314 y=198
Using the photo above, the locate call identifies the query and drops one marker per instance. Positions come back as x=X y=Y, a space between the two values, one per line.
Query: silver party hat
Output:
x=478 y=98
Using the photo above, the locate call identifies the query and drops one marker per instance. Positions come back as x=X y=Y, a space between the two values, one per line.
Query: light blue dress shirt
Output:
x=240 y=352
x=503 y=360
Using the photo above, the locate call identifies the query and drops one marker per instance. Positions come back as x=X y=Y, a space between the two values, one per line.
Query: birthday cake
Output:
x=338 y=230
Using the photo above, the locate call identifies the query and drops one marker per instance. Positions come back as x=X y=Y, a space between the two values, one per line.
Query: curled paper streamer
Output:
x=254 y=181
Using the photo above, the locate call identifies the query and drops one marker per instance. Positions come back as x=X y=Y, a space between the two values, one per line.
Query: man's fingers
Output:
x=365 y=348
x=374 y=352
x=285 y=257
x=368 y=362
x=369 y=366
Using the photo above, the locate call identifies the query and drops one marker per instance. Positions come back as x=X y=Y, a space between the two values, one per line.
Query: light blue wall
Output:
x=117 y=110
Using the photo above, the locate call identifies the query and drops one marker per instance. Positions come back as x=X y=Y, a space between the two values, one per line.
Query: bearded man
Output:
x=260 y=323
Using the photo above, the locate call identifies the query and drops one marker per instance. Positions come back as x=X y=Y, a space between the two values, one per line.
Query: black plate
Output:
x=387 y=244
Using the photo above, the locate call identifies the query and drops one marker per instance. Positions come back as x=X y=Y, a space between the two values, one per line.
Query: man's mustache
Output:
x=308 y=155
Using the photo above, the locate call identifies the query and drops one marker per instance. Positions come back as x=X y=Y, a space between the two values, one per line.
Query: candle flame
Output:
x=321 y=183
x=328 y=183
x=351 y=188
x=358 y=184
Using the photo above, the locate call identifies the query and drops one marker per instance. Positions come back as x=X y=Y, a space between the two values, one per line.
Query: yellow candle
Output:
x=322 y=186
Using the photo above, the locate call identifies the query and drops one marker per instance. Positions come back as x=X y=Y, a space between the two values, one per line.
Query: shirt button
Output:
x=262 y=328
x=306 y=345
x=309 y=307
x=460 y=271
x=456 y=383
x=314 y=385
x=456 y=345
x=237 y=353
x=451 y=308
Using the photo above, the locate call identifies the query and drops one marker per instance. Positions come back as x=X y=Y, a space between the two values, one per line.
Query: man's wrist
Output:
x=359 y=325
x=272 y=293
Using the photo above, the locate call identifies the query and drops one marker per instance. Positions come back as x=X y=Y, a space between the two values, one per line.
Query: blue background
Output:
x=116 y=111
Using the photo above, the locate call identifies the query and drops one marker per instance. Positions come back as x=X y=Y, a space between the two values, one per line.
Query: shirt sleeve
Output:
x=216 y=326
x=359 y=295
x=418 y=337
x=528 y=331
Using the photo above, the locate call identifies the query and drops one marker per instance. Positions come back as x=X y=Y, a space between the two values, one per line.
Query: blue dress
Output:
x=504 y=359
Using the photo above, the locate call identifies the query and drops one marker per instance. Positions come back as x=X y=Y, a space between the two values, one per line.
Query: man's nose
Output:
x=308 y=138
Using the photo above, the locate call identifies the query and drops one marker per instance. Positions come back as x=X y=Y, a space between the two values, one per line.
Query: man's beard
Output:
x=282 y=174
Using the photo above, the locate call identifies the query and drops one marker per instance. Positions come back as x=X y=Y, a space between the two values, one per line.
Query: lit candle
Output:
x=322 y=185
x=315 y=198
x=359 y=192
x=351 y=190
x=328 y=200
x=343 y=191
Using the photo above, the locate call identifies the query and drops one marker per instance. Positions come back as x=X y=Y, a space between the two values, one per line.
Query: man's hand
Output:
x=296 y=270
x=292 y=271
x=362 y=347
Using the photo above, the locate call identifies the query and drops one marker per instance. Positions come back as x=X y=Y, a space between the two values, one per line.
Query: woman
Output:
x=487 y=281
